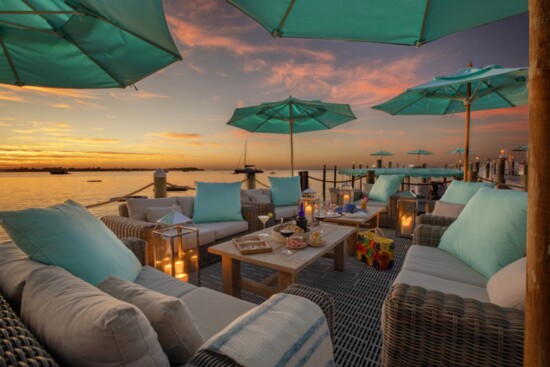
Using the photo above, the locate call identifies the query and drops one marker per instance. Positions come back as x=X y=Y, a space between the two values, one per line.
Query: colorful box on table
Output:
x=376 y=250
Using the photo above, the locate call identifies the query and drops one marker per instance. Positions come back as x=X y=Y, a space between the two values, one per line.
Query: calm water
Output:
x=25 y=190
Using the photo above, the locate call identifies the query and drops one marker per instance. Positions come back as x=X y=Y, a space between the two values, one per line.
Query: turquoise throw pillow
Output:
x=459 y=192
x=490 y=232
x=384 y=187
x=68 y=236
x=285 y=190
x=217 y=202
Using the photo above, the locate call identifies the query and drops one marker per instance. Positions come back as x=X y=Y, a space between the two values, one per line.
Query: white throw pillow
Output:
x=507 y=287
x=444 y=209
x=83 y=326
x=177 y=330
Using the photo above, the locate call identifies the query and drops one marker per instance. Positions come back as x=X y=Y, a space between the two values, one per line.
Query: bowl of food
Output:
x=316 y=239
x=286 y=227
x=296 y=242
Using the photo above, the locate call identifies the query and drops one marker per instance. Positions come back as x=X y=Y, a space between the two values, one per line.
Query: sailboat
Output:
x=247 y=168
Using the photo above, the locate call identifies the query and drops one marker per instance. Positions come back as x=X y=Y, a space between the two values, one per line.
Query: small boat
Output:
x=59 y=171
x=247 y=168
x=94 y=181
x=176 y=188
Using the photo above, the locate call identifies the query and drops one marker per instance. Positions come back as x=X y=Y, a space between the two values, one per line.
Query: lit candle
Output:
x=183 y=277
x=168 y=269
x=178 y=266
x=309 y=214
x=345 y=199
x=406 y=224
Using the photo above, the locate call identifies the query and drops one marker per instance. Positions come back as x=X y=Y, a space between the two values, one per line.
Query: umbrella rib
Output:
x=10 y=61
x=313 y=117
x=424 y=19
x=270 y=117
x=26 y=27
x=277 y=32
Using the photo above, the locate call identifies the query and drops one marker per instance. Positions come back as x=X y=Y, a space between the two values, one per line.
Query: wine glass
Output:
x=286 y=233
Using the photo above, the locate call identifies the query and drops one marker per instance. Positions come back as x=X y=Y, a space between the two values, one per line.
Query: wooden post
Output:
x=159 y=183
x=334 y=181
x=379 y=163
x=524 y=177
x=352 y=176
x=500 y=171
x=370 y=176
x=250 y=180
x=304 y=179
x=324 y=182
x=537 y=301
x=389 y=164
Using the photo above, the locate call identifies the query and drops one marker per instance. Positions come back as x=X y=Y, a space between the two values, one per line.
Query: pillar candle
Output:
x=309 y=214
x=184 y=277
x=345 y=199
x=179 y=266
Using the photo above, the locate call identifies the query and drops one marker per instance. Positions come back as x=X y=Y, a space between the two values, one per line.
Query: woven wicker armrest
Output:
x=18 y=346
x=435 y=220
x=428 y=235
x=252 y=212
x=429 y=328
x=138 y=247
x=207 y=358
x=323 y=299
x=126 y=227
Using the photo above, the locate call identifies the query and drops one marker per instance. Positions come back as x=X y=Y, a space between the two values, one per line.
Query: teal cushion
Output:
x=384 y=187
x=217 y=202
x=490 y=232
x=285 y=190
x=459 y=192
x=68 y=236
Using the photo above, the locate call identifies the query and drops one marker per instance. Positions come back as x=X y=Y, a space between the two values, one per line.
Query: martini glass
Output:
x=286 y=233
x=263 y=219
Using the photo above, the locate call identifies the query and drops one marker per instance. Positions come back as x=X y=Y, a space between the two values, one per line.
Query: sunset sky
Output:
x=178 y=116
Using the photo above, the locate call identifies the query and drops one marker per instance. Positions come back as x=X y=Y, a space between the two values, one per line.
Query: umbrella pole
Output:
x=291 y=122
x=537 y=300
x=467 y=133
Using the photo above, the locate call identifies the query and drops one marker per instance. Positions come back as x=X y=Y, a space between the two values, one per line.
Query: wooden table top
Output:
x=371 y=212
x=332 y=234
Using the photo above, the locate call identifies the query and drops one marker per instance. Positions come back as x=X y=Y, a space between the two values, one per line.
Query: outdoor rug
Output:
x=358 y=292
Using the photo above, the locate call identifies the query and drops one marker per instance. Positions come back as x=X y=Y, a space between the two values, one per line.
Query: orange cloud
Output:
x=175 y=135
x=139 y=94
x=10 y=96
x=90 y=140
x=74 y=93
x=60 y=105
x=502 y=126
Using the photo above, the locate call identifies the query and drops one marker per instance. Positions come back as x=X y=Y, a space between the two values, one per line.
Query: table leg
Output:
x=339 y=256
x=231 y=270
x=285 y=279
x=352 y=242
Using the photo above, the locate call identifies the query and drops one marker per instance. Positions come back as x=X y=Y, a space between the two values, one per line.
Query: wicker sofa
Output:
x=439 y=312
x=212 y=310
x=135 y=224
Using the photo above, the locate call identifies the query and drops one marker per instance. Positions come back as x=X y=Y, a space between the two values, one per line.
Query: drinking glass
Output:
x=286 y=233
x=263 y=219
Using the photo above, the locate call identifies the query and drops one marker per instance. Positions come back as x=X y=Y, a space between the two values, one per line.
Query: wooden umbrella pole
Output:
x=537 y=302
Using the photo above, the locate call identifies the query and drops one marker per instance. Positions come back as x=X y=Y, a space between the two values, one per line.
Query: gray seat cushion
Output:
x=213 y=310
x=285 y=211
x=158 y=281
x=436 y=283
x=433 y=261
x=223 y=229
x=207 y=235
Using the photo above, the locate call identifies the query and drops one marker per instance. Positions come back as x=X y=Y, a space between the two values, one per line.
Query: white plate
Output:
x=333 y=215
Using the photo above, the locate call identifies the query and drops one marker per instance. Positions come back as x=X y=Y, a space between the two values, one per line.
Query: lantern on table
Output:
x=346 y=197
x=407 y=210
x=312 y=204
x=176 y=247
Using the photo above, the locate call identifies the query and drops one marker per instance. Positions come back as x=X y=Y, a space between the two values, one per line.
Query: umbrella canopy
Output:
x=386 y=21
x=523 y=148
x=419 y=152
x=381 y=153
x=458 y=151
x=291 y=116
x=83 y=43
x=469 y=89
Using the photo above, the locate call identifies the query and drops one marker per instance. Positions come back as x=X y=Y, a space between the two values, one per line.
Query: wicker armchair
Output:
x=123 y=226
x=429 y=328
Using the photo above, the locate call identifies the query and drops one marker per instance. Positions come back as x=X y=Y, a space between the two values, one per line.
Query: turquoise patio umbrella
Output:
x=382 y=153
x=386 y=21
x=291 y=116
x=83 y=43
x=469 y=89
x=419 y=152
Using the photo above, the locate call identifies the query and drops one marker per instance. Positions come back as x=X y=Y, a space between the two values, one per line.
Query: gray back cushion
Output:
x=186 y=203
x=83 y=326
x=137 y=208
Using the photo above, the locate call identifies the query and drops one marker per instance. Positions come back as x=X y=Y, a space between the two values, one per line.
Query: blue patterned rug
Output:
x=359 y=292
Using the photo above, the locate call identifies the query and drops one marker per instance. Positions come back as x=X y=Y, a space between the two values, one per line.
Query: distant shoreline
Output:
x=97 y=169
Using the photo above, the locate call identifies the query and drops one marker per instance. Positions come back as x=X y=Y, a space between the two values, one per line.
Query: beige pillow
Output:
x=155 y=213
x=177 y=331
x=83 y=326
x=507 y=287
x=444 y=209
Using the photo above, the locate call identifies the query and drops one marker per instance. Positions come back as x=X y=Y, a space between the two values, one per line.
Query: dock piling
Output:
x=159 y=180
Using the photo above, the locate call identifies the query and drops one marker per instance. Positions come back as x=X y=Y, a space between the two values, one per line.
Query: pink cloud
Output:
x=501 y=127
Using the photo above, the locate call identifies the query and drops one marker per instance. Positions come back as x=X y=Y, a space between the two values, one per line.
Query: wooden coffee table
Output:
x=287 y=266
x=357 y=222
